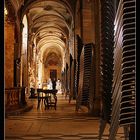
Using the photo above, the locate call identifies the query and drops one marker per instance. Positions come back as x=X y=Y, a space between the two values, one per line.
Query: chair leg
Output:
x=38 y=104
x=102 y=128
x=46 y=103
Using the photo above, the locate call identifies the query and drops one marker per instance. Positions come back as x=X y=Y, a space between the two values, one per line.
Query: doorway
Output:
x=53 y=74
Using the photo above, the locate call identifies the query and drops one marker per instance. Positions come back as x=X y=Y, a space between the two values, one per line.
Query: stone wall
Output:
x=9 y=54
x=88 y=27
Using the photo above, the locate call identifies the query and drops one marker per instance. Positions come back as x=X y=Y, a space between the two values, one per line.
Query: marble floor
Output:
x=61 y=124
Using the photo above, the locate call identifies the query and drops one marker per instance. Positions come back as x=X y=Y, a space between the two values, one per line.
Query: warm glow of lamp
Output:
x=5 y=11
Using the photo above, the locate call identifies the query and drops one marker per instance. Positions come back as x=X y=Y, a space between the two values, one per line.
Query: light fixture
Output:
x=5 y=11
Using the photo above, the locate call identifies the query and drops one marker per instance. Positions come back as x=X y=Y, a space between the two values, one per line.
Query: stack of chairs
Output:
x=107 y=53
x=124 y=70
x=123 y=99
x=79 y=48
x=80 y=81
x=86 y=75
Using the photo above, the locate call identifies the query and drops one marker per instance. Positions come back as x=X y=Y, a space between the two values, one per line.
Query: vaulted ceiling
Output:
x=50 y=23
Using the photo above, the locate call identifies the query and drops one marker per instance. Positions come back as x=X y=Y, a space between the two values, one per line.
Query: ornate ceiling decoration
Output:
x=53 y=59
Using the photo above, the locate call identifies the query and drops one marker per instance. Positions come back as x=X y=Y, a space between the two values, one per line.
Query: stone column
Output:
x=35 y=69
x=21 y=78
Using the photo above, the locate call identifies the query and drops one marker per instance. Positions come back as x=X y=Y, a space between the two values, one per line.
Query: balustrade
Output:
x=14 y=98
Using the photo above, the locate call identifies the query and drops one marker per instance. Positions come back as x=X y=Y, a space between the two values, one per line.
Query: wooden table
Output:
x=50 y=98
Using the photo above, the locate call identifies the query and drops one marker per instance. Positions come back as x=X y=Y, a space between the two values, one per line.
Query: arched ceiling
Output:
x=50 y=23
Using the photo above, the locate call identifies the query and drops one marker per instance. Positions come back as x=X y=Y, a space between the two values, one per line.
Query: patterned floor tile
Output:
x=61 y=124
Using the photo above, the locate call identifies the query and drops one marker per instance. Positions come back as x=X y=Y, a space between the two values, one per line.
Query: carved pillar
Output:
x=28 y=66
x=28 y=57
x=16 y=65
x=36 y=70
x=21 y=30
